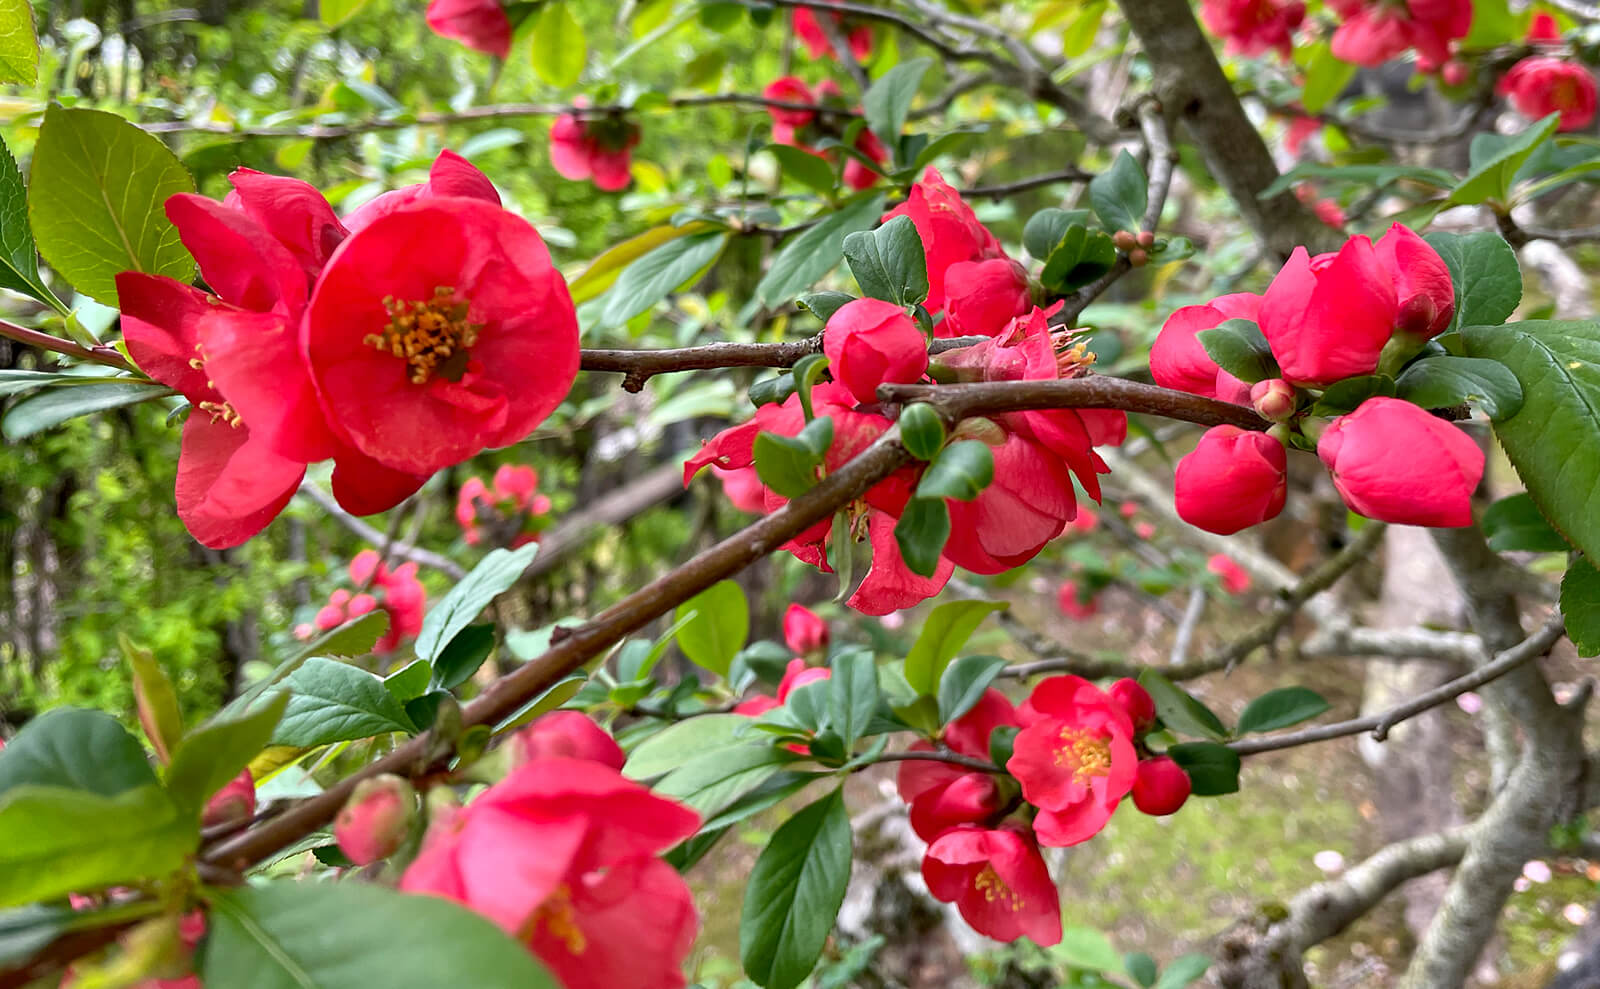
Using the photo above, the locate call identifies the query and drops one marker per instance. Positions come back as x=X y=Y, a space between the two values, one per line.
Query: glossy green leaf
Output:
x=963 y=683
x=794 y=894
x=1347 y=395
x=1045 y=229
x=336 y=702
x=1141 y=968
x=462 y=657
x=493 y=576
x=559 y=47
x=946 y=630
x=1485 y=274
x=219 y=750
x=788 y=464
x=96 y=197
x=1120 y=194
x=888 y=263
x=1447 y=380
x=816 y=250
x=718 y=629
x=76 y=749
x=1580 y=606
x=1515 y=524
x=824 y=304
x=1492 y=172
x=1082 y=256
x=709 y=782
x=276 y=936
x=155 y=699
x=804 y=167
x=604 y=270
x=1240 y=348
x=852 y=693
x=19 y=258
x=69 y=401
x=961 y=471
x=922 y=430
x=677 y=743
x=887 y=102
x=921 y=532
x=674 y=265
x=19 y=48
x=1281 y=708
x=1326 y=77
x=1180 y=710
x=1213 y=769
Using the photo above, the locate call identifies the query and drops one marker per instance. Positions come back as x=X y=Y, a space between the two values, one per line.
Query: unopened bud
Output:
x=1455 y=73
x=1417 y=315
x=1124 y=240
x=236 y=801
x=1138 y=257
x=1160 y=787
x=1136 y=701
x=804 y=631
x=376 y=819
x=1273 y=399
x=1147 y=239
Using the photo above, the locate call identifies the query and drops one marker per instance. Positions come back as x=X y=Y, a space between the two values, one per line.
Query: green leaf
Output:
x=96 y=198
x=1373 y=176
x=1493 y=171
x=824 y=304
x=804 y=167
x=1580 y=606
x=276 y=936
x=963 y=682
x=559 y=47
x=1141 y=967
x=816 y=250
x=336 y=702
x=1179 y=710
x=1485 y=274
x=946 y=630
x=1213 y=769
x=26 y=930
x=1240 y=348
x=55 y=841
x=718 y=628
x=712 y=781
x=788 y=464
x=1120 y=194
x=1445 y=381
x=921 y=430
x=19 y=260
x=678 y=743
x=462 y=657
x=493 y=576
x=218 y=751
x=1087 y=948
x=889 y=262
x=19 y=49
x=794 y=894
x=852 y=693
x=1184 y=970
x=887 y=102
x=335 y=12
x=1079 y=34
x=1326 y=77
x=1281 y=708
x=670 y=267
x=1082 y=256
x=1515 y=524
x=1554 y=440
x=1347 y=395
x=921 y=532
x=1046 y=228
x=155 y=698
x=57 y=405
x=961 y=471
x=76 y=749
x=603 y=271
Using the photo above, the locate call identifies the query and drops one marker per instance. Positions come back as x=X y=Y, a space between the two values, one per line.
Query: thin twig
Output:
x=372 y=536
x=1192 y=613
x=1092 y=391
x=943 y=755
x=109 y=356
x=640 y=366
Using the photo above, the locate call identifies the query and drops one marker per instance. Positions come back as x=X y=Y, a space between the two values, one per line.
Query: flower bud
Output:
x=360 y=605
x=1136 y=701
x=1178 y=359
x=968 y=799
x=1124 y=240
x=1328 y=317
x=804 y=631
x=981 y=297
x=376 y=819
x=1392 y=461
x=1138 y=257
x=1233 y=479
x=1235 y=579
x=869 y=342
x=1426 y=296
x=235 y=802
x=1455 y=73
x=1147 y=239
x=1160 y=787
x=1274 y=399
x=569 y=735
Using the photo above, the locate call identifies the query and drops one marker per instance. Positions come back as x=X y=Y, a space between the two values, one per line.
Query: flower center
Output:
x=218 y=411
x=1073 y=356
x=433 y=335
x=559 y=920
x=995 y=890
x=1085 y=753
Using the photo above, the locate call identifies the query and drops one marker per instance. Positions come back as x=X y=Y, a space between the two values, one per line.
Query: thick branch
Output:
x=1090 y=392
x=640 y=366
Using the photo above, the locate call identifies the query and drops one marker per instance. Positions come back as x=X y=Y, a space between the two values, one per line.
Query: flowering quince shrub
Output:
x=492 y=758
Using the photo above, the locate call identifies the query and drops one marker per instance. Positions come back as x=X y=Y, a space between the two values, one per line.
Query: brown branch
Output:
x=379 y=540
x=615 y=508
x=1090 y=392
x=109 y=356
x=640 y=366
x=942 y=755
x=1004 y=189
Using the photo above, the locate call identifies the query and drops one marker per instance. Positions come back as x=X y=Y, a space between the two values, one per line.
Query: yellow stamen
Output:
x=557 y=916
x=1086 y=754
x=994 y=889
x=433 y=336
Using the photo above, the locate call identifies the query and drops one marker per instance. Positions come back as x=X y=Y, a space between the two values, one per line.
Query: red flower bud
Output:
x=1422 y=283
x=1456 y=72
x=1235 y=580
x=236 y=801
x=1146 y=239
x=1160 y=787
x=1328 y=317
x=1232 y=480
x=1178 y=359
x=804 y=631
x=981 y=297
x=1138 y=257
x=1136 y=701
x=1394 y=462
x=869 y=342
x=1073 y=605
x=566 y=734
x=1542 y=85
x=1273 y=399
x=376 y=819
x=1544 y=27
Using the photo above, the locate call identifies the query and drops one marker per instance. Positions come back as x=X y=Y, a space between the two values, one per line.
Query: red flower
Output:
x=1542 y=85
x=236 y=801
x=1072 y=603
x=404 y=599
x=1233 y=479
x=569 y=735
x=1375 y=31
x=943 y=796
x=809 y=30
x=1544 y=27
x=376 y=820
x=1074 y=758
x=439 y=330
x=949 y=230
x=743 y=489
x=804 y=631
x=1425 y=296
x=481 y=25
x=870 y=342
x=1178 y=359
x=450 y=175
x=293 y=212
x=890 y=585
x=1328 y=317
x=1235 y=579
x=796 y=675
x=1135 y=700
x=1394 y=462
x=857 y=175
x=560 y=854
x=599 y=149
x=515 y=509
x=1160 y=787
x=982 y=297
x=1252 y=27
x=998 y=880
x=789 y=89
x=1301 y=130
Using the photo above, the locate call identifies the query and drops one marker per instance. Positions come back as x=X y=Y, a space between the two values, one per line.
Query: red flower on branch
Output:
x=983 y=297
x=808 y=29
x=481 y=25
x=942 y=795
x=1394 y=462
x=1231 y=480
x=1253 y=27
x=1542 y=85
x=804 y=631
x=1328 y=317
x=1179 y=360
x=599 y=149
x=450 y=175
x=510 y=509
x=998 y=880
x=869 y=342
x=1074 y=758
x=1374 y=31
x=949 y=230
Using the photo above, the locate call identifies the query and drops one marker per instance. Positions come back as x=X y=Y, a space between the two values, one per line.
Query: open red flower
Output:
x=450 y=175
x=599 y=149
x=590 y=935
x=789 y=89
x=1542 y=85
x=1375 y=31
x=481 y=25
x=808 y=29
x=950 y=231
x=1074 y=758
x=1328 y=317
x=943 y=796
x=1253 y=27
x=1394 y=462
x=804 y=631
x=439 y=330
x=998 y=880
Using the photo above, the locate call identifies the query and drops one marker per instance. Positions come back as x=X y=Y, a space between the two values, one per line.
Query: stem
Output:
x=1089 y=392
x=108 y=356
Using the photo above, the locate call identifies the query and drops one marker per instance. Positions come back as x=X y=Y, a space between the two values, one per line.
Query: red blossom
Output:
x=481 y=25
x=1074 y=758
x=1073 y=603
x=789 y=89
x=857 y=174
x=1328 y=317
x=810 y=34
x=1179 y=360
x=1235 y=579
x=450 y=176
x=1394 y=462
x=949 y=230
x=1542 y=85
x=1161 y=786
x=566 y=734
x=1374 y=31
x=804 y=631
x=235 y=802
x=515 y=510
x=599 y=149
x=1424 y=294
x=1233 y=479
x=1253 y=27
x=869 y=342
x=376 y=820
x=998 y=880
x=943 y=796
x=1135 y=700
x=982 y=297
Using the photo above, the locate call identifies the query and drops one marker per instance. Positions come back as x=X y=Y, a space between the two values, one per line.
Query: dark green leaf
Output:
x=218 y=751
x=1141 y=967
x=1446 y=381
x=57 y=405
x=1240 y=348
x=1496 y=159
x=1372 y=176
x=852 y=693
x=888 y=100
x=786 y=464
x=794 y=894
x=709 y=782
x=1213 y=769
x=1281 y=708
x=961 y=471
x=77 y=749
x=921 y=532
x=1046 y=228
x=1119 y=195
x=1082 y=256
x=718 y=630
x=889 y=262
x=19 y=261
x=493 y=575
x=1580 y=606
x=1183 y=970
x=824 y=304
x=772 y=391
x=462 y=657
x=1515 y=524
x=1326 y=78
x=816 y=250
x=96 y=196
x=804 y=167
x=1179 y=710
x=946 y=630
x=1347 y=395
x=963 y=682
x=336 y=702
x=670 y=267
x=921 y=430
x=1485 y=274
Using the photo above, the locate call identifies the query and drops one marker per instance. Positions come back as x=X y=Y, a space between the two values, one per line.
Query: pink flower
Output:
x=375 y=821
x=1233 y=479
x=481 y=25
x=599 y=149
x=1135 y=700
x=1425 y=296
x=1252 y=27
x=1160 y=787
x=1392 y=461
x=1375 y=31
x=943 y=796
x=1301 y=130
x=870 y=342
x=1073 y=604
x=809 y=31
x=1179 y=360
x=236 y=801
x=804 y=631
x=950 y=231
x=568 y=735
x=1542 y=85
x=998 y=880
x=1544 y=27
x=404 y=599
x=857 y=174
x=1328 y=317
x=796 y=675
x=789 y=89
x=1074 y=758
x=512 y=509
x=982 y=297
x=1235 y=579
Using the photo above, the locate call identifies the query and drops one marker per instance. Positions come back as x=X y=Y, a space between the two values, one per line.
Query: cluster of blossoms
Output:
x=396 y=591
x=509 y=511
x=1326 y=318
x=1540 y=85
x=869 y=342
x=596 y=147
x=1075 y=752
x=562 y=854
x=804 y=129
x=1370 y=32
x=424 y=327
x=810 y=33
